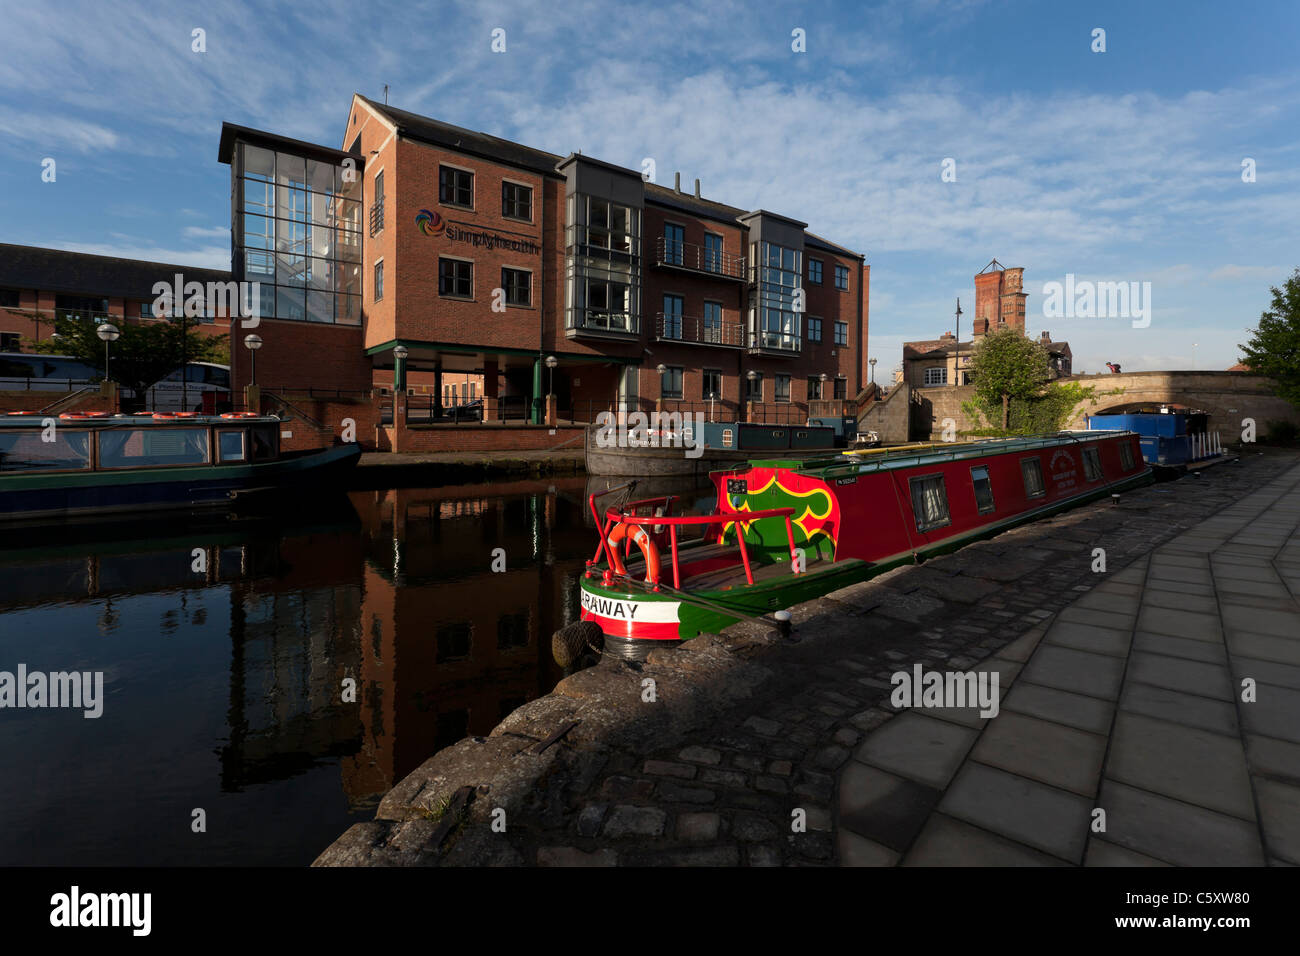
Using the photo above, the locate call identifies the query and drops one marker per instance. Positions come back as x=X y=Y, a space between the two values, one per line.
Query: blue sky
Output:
x=1117 y=166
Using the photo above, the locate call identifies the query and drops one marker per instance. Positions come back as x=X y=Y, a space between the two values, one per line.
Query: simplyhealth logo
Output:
x=430 y=223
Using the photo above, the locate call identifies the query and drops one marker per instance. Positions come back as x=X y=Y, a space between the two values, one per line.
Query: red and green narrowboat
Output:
x=83 y=466
x=788 y=531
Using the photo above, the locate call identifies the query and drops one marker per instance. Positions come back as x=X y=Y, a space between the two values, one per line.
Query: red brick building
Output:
x=483 y=258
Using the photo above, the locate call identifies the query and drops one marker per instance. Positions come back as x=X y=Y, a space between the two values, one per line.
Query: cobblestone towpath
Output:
x=1121 y=692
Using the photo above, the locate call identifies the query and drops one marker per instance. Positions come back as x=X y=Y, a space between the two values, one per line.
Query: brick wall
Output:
x=435 y=438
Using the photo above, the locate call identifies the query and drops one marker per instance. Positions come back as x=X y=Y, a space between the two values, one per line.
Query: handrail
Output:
x=619 y=515
x=70 y=396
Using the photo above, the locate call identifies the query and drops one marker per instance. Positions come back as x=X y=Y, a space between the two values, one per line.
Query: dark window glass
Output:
x=379 y=281
x=9 y=341
x=454 y=641
x=517 y=201
x=674 y=244
x=815 y=271
x=25 y=451
x=712 y=252
x=8 y=298
x=713 y=322
x=673 y=305
x=754 y=387
x=842 y=278
x=841 y=333
x=1033 y=475
x=1091 y=464
x=671 y=382
x=783 y=388
x=455 y=186
x=841 y=388
x=518 y=286
x=1125 y=455
x=230 y=446
x=152 y=447
x=930 y=503
x=455 y=278
x=979 y=476
x=512 y=631
x=814 y=330
x=712 y=387
x=814 y=387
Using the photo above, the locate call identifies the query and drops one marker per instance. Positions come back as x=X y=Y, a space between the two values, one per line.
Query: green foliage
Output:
x=145 y=352
x=1048 y=410
x=1274 y=347
x=1007 y=364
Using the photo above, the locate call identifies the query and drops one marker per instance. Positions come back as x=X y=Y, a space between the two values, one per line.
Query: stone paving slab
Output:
x=919 y=747
x=1173 y=774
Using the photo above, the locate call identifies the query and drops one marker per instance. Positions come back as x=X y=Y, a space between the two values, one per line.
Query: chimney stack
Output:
x=677 y=182
x=1045 y=338
x=697 y=189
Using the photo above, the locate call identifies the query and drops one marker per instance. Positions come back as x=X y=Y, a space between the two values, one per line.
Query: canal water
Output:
x=226 y=649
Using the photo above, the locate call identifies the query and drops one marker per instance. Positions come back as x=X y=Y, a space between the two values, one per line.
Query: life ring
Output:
x=28 y=414
x=187 y=414
x=162 y=415
x=240 y=415
x=67 y=415
x=648 y=549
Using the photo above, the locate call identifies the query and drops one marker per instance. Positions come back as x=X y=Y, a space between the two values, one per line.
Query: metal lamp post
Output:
x=400 y=352
x=107 y=333
x=253 y=342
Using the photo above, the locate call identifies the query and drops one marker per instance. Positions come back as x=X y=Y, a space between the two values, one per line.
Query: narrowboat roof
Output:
x=35 y=420
x=924 y=453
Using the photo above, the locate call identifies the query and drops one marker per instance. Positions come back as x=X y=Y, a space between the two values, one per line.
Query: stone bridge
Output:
x=911 y=414
x=1228 y=397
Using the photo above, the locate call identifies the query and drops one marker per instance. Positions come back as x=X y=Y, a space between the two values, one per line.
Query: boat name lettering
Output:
x=847 y=481
x=609 y=607
x=737 y=486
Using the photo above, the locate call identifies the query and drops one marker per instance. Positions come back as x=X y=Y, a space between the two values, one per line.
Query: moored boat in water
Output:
x=82 y=467
x=786 y=531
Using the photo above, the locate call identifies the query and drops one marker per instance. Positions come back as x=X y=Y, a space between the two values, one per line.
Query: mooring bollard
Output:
x=783 y=623
x=1114 y=499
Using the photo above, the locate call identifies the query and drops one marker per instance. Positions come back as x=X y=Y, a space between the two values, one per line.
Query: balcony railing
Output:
x=699 y=330
x=676 y=254
x=775 y=343
x=832 y=408
x=597 y=322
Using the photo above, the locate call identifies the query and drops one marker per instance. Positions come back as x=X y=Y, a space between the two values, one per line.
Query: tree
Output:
x=145 y=352
x=1274 y=347
x=1008 y=365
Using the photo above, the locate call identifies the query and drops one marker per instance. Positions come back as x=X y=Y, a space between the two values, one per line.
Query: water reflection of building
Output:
x=403 y=600
x=450 y=646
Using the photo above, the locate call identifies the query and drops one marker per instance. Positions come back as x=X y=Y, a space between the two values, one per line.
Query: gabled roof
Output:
x=79 y=273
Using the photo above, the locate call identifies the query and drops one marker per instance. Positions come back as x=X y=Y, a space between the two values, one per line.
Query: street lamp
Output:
x=107 y=333
x=253 y=342
x=551 y=362
x=872 y=363
x=400 y=352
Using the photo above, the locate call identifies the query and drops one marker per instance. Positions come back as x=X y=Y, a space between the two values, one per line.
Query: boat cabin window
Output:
x=152 y=447
x=930 y=502
x=979 y=476
x=26 y=451
x=1125 y=455
x=1033 y=473
x=265 y=442
x=230 y=445
x=1091 y=464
